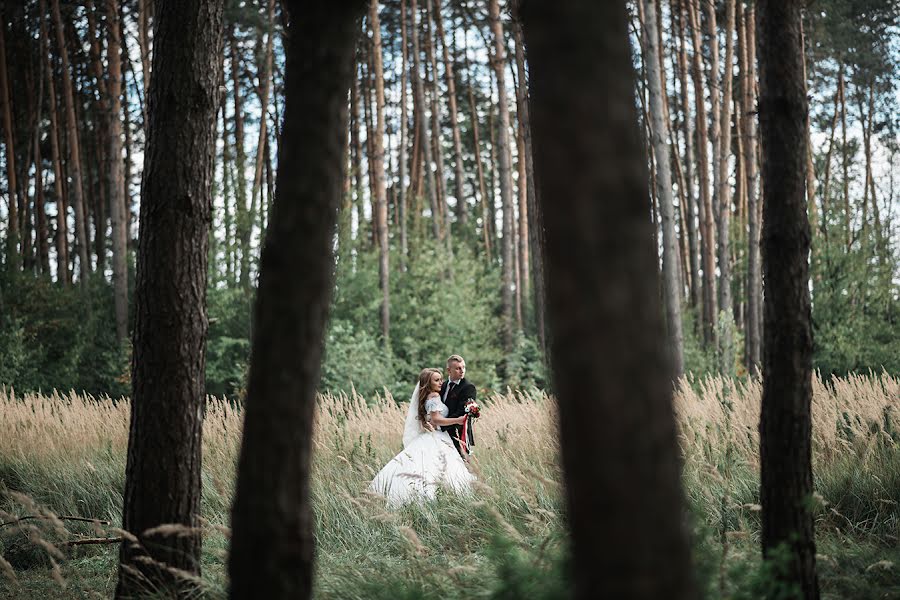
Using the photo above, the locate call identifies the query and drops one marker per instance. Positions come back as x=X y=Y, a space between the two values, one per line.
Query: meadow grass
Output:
x=65 y=455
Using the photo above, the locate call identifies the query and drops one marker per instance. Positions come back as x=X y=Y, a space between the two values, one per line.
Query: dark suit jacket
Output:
x=456 y=404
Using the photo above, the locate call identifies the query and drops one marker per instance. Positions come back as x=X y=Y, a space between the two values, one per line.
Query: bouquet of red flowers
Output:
x=472 y=409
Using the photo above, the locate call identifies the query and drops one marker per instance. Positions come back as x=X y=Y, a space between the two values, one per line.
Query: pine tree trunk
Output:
x=76 y=195
x=503 y=151
x=227 y=198
x=272 y=545
x=380 y=205
x=143 y=27
x=243 y=222
x=754 y=272
x=462 y=213
x=844 y=158
x=786 y=485
x=436 y=132
x=117 y=206
x=162 y=483
x=659 y=134
x=690 y=214
x=724 y=192
x=402 y=199
x=618 y=441
x=826 y=184
x=13 y=258
x=425 y=142
x=710 y=310
x=479 y=169
x=62 y=242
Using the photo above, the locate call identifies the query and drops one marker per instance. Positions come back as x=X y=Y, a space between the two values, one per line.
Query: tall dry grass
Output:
x=66 y=453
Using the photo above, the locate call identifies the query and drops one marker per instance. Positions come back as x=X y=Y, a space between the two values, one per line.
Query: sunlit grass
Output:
x=65 y=455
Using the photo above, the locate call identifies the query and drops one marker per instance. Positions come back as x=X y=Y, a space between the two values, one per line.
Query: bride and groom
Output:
x=437 y=438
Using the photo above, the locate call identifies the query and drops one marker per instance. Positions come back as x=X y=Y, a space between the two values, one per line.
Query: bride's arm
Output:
x=440 y=421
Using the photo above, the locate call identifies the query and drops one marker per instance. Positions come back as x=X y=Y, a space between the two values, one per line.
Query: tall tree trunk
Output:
x=503 y=151
x=462 y=213
x=785 y=428
x=724 y=191
x=618 y=443
x=76 y=195
x=425 y=145
x=826 y=184
x=272 y=546
x=479 y=169
x=117 y=206
x=12 y=232
x=143 y=27
x=162 y=483
x=402 y=199
x=62 y=242
x=380 y=204
x=845 y=159
x=227 y=197
x=43 y=250
x=754 y=274
x=434 y=86
x=243 y=221
x=690 y=213
x=710 y=310
x=659 y=133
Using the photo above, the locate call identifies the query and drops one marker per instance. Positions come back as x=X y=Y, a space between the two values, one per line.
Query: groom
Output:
x=455 y=393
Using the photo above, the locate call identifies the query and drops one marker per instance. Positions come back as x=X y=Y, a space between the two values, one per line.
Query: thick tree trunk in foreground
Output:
x=659 y=133
x=785 y=429
x=272 y=545
x=164 y=451
x=619 y=449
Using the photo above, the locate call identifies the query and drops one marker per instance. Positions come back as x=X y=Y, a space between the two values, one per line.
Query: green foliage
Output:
x=228 y=344
x=53 y=338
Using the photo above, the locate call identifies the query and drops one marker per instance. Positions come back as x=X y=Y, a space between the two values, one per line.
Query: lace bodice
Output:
x=434 y=403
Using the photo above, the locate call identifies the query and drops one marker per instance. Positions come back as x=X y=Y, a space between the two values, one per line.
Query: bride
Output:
x=428 y=458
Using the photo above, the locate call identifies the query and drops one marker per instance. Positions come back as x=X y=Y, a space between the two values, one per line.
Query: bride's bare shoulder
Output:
x=433 y=395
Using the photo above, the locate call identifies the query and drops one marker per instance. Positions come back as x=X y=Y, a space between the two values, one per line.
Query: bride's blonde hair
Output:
x=425 y=389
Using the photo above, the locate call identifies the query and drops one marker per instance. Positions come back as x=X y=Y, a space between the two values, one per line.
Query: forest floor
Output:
x=66 y=455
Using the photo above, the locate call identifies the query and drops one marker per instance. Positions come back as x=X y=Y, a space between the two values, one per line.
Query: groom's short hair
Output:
x=455 y=358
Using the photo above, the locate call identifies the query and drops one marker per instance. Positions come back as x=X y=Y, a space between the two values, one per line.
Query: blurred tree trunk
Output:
x=117 y=206
x=264 y=77
x=163 y=473
x=659 y=134
x=101 y=118
x=143 y=27
x=785 y=429
x=503 y=150
x=273 y=546
x=845 y=158
x=62 y=242
x=13 y=258
x=227 y=199
x=76 y=195
x=710 y=310
x=380 y=204
x=434 y=86
x=619 y=449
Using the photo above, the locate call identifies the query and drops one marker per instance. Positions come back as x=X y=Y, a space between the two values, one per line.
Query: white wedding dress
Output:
x=428 y=461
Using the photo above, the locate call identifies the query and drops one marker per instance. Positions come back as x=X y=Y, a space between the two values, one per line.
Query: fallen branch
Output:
x=88 y=541
x=28 y=517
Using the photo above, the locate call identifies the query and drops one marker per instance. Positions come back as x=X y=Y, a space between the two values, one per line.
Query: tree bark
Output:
x=785 y=423
x=402 y=199
x=143 y=28
x=162 y=483
x=623 y=488
x=503 y=152
x=754 y=274
x=844 y=158
x=243 y=219
x=62 y=243
x=659 y=133
x=380 y=204
x=425 y=142
x=117 y=206
x=710 y=309
x=76 y=195
x=724 y=192
x=272 y=545
x=436 y=132
x=13 y=257
x=479 y=169
x=462 y=213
